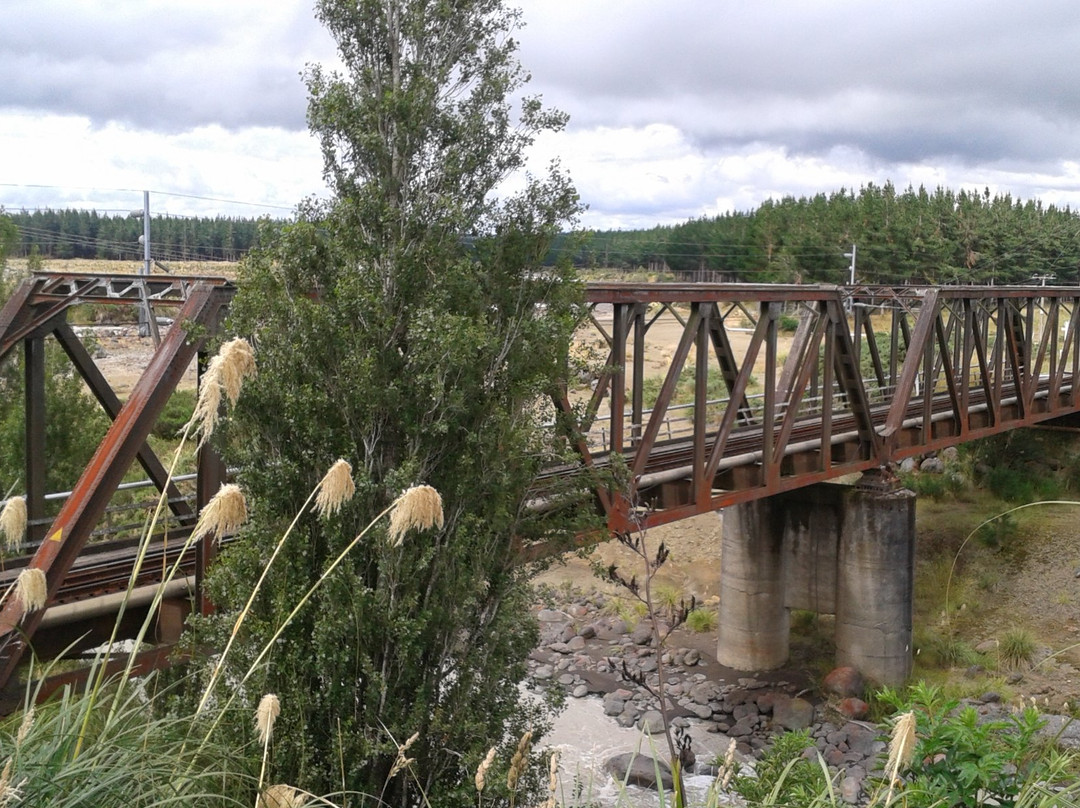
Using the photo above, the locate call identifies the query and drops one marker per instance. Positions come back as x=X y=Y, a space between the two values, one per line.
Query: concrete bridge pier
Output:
x=831 y=549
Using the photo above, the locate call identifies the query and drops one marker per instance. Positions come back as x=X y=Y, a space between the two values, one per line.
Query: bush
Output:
x=784 y=776
x=960 y=759
x=1016 y=649
x=701 y=620
x=176 y=414
x=787 y=324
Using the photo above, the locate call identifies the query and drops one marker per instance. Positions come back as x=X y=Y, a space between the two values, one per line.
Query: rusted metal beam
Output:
x=83 y=509
x=112 y=405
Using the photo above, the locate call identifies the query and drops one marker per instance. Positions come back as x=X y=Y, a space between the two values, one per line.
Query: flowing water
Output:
x=586 y=738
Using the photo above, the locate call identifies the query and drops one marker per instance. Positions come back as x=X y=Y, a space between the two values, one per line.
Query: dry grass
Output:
x=419 y=507
x=224 y=513
x=13 y=522
x=31 y=589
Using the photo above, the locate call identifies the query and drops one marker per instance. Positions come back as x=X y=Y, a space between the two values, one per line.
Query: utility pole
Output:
x=147 y=321
x=851 y=280
x=851 y=255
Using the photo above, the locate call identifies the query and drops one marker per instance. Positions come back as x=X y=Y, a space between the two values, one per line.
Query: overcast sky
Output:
x=678 y=108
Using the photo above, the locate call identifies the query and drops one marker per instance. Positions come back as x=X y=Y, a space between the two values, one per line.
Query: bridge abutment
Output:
x=831 y=549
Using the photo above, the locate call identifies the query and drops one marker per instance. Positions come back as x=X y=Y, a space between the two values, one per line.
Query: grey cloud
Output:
x=971 y=80
x=164 y=67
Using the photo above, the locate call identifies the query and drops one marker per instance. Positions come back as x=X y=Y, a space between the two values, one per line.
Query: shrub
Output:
x=177 y=412
x=784 y=775
x=1016 y=648
x=701 y=620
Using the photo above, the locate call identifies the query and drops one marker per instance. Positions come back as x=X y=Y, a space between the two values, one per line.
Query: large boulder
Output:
x=845 y=682
x=639 y=770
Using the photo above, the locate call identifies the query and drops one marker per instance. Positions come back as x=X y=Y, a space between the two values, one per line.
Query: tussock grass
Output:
x=1016 y=649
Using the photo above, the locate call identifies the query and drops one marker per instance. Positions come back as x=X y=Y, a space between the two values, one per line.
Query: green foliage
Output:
x=177 y=412
x=128 y=757
x=999 y=532
x=903 y=235
x=72 y=433
x=407 y=327
x=1016 y=648
x=787 y=324
x=701 y=620
x=784 y=775
x=963 y=760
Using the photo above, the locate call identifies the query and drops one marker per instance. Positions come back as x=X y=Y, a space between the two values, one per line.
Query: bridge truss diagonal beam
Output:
x=871 y=375
x=125 y=441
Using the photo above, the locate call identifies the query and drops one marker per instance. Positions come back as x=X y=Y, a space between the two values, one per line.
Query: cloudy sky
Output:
x=679 y=108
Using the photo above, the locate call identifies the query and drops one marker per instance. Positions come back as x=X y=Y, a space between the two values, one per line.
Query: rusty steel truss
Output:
x=870 y=376
x=38 y=309
x=767 y=388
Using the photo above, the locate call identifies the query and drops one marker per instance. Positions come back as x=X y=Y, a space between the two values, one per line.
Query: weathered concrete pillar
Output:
x=754 y=621
x=874 y=580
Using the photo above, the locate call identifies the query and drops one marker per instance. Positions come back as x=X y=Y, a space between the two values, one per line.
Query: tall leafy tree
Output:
x=407 y=326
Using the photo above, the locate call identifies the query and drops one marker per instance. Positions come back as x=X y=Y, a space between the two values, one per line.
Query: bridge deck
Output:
x=766 y=388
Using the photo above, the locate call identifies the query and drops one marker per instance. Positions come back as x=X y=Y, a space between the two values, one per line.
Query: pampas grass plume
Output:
x=482 y=769
x=13 y=522
x=224 y=513
x=401 y=762
x=265 y=716
x=336 y=488
x=226 y=372
x=418 y=507
x=31 y=589
x=281 y=796
x=901 y=745
x=518 y=762
x=237 y=364
x=25 y=726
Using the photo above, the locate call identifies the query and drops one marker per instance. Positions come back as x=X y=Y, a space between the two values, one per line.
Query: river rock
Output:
x=845 y=682
x=639 y=770
x=855 y=709
x=642 y=635
x=691 y=657
x=793 y=713
x=651 y=722
x=932 y=465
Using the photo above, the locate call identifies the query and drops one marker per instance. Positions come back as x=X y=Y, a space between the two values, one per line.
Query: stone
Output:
x=793 y=713
x=613 y=705
x=909 y=464
x=932 y=465
x=850 y=790
x=743 y=727
x=568 y=633
x=559 y=648
x=702 y=711
x=580 y=692
x=638 y=770
x=860 y=739
x=852 y=708
x=651 y=722
x=576 y=643
x=627 y=718
x=543 y=672
x=566 y=679
x=845 y=682
x=704 y=692
x=765 y=701
x=949 y=454
x=642 y=635
x=691 y=657
x=552 y=616
x=587 y=632
x=987 y=646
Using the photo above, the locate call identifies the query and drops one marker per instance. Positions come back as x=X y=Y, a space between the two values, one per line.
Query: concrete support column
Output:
x=754 y=620
x=874 y=581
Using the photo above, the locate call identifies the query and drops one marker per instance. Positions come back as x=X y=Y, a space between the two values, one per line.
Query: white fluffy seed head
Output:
x=31 y=589
x=336 y=488
x=224 y=513
x=266 y=716
x=13 y=522
x=419 y=507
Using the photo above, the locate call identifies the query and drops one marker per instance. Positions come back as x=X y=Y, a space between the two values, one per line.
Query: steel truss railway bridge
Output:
x=745 y=412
